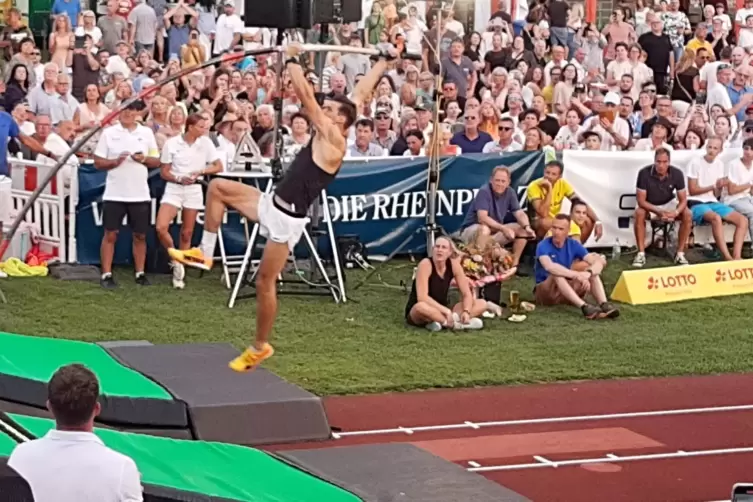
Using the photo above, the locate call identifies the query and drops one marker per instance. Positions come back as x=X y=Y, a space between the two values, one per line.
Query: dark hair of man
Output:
x=564 y=217
x=748 y=143
x=528 y=112
x=72 y=393
x=365 y=123
x=416 y=134
x=194 y=119
x=661 y=151
x=555 y=163
x=347 y=109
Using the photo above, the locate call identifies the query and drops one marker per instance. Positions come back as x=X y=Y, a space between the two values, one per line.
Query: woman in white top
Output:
x=90 y=114
x=90 y=28
x=641 y=72
x=567 y=137
x=641 y=11
x=564 y=89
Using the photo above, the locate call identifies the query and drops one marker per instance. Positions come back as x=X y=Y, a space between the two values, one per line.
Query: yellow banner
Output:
x=673 y=284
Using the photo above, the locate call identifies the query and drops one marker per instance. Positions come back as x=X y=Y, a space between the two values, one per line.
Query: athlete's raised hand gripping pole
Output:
x=282 y=215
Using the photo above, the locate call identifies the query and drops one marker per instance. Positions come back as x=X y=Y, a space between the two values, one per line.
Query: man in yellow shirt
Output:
x=545 y=197
x=699 y=40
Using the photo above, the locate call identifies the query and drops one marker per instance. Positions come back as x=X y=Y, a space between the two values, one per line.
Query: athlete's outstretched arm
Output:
x=304 y=91
x=362 y=91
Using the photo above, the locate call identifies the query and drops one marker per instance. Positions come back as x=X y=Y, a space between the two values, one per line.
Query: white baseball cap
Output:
x=612 y=98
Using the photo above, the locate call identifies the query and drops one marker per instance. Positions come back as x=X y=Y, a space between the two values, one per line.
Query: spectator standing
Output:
x=61 y=41
x=676 y=26
x=84 y=69
x=471 y=140
x=13 y=33
x=558 y=12
x=69 y=8
x=113 y=27
x=70 y=463
x=142 y=27
x=459 y=68
x=660 y=54
x=89 y=28
x=618 y=30
x=229 y=29
x=41 y=96
x=354 y=64
x=126 y=151
x=177 y=29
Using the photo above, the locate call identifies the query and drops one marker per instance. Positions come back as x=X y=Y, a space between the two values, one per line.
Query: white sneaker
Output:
x=3 y=275
x=179 y=274
x=681 y=260
x=640 y=260
x=434 y=327
x=474 y=324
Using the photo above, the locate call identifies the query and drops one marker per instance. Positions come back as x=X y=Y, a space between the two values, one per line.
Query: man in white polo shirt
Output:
x=125 y=151
x=70 y=463
x=185 y=160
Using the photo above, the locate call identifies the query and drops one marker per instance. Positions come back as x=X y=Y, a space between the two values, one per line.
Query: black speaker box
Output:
x=280 y=14
x=304 y=14
x=337 y=11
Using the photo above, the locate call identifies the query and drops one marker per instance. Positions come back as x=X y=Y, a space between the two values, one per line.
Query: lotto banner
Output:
x=383 y=202
x=672 y=284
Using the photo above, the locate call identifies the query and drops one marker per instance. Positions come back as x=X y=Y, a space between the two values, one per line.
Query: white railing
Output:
x=49 y=213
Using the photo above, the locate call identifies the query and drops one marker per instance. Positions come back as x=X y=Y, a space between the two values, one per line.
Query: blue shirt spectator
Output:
x=471 y=140
x=498 y=206
x=570 y=251
x=735 y=95
x=8 y=129
x=71 y=8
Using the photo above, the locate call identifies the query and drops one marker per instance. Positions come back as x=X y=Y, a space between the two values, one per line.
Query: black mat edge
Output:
x=365 y=497
x=117 y=410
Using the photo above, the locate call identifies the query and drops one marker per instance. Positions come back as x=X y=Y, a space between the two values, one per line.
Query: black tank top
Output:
x=439 y=287
x=303 y=181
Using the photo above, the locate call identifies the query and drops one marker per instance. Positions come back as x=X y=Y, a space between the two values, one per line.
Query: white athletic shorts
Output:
x=184 y=196
x=278 y=226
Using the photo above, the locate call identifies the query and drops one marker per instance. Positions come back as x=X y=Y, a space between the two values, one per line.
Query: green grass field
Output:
x=364 y=345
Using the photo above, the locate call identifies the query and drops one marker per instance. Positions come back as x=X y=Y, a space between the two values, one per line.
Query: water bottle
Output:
x=616 y=250
x=672 y=242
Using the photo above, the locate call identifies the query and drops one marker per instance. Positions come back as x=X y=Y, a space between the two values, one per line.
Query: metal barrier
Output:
x=54 y=212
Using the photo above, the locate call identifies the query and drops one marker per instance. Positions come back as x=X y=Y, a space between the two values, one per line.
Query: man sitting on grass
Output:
x=486 y=216
x=557 y=283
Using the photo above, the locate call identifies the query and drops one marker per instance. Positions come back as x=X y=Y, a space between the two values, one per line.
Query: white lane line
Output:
x=13 y=432
x=549 y=420
x=612 y=456
x=544 y=460
x=473 y=464
x=610 y=460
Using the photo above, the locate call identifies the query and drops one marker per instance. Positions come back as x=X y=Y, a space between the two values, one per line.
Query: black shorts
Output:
x=139 y=214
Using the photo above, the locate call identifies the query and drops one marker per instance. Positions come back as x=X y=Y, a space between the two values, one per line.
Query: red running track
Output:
x=683 y=479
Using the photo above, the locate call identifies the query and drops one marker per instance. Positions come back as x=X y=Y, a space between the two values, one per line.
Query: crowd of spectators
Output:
x=547 y=79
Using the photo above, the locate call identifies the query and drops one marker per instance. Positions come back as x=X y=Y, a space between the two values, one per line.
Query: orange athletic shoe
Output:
x=251 y=358
x=192 y=258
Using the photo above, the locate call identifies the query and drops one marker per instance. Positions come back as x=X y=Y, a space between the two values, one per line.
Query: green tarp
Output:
x=213 y=469
x=37 y=358
x=6 y=444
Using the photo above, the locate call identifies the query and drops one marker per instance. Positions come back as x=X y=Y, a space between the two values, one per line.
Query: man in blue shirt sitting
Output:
x=495 y=203
x=471 y=139
x=557 y=283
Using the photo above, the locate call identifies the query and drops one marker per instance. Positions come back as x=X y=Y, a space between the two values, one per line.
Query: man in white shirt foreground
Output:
x=70 y=463
x=186 y=159
x=706 y=184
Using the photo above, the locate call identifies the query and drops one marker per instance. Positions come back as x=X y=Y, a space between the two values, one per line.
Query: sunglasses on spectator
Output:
x=505 y=128
x=382 y=116
x=749 y=130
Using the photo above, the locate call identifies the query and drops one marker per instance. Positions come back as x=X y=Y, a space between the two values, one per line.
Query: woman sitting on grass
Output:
x=428 y=302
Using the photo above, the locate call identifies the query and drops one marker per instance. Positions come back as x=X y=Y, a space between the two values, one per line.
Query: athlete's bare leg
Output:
x=272 y=263
x=221 y=194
